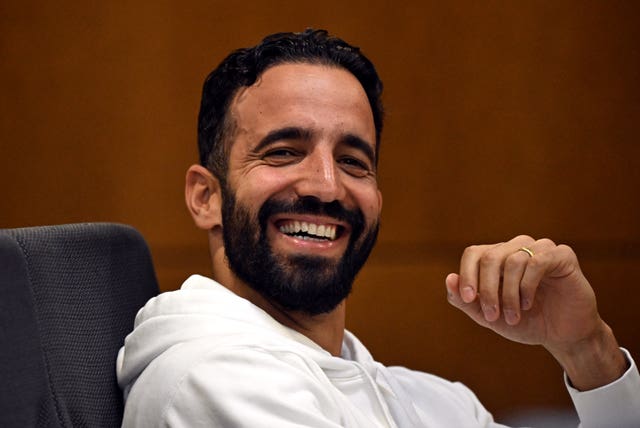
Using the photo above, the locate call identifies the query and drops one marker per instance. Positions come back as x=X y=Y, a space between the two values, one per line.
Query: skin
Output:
x=301 y=130
x=544 y=299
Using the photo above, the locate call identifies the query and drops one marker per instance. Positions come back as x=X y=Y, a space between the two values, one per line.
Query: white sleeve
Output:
x=614 y=405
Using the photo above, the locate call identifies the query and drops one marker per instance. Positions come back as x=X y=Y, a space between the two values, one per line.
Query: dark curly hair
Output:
x=244 y=66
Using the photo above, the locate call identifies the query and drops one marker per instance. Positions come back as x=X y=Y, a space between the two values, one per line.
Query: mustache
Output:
x=312 y=206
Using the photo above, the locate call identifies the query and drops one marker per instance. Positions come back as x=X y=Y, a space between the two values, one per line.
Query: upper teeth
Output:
x=320 y=230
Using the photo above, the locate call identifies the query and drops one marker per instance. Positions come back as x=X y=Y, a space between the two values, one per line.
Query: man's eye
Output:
x=283 y=156
x=355 y=166
x=281 y=153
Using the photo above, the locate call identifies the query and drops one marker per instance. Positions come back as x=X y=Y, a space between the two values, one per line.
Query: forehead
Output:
x=308 y=95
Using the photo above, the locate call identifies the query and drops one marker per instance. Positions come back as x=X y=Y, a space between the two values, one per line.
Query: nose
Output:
x=320 y=177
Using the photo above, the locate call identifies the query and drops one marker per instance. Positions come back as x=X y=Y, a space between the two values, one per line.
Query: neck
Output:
x=326 y=330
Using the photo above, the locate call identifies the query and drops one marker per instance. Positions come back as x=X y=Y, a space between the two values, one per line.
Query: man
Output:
x=289 y=133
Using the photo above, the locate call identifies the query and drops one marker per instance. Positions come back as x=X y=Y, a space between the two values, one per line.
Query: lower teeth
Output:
x=309 y=238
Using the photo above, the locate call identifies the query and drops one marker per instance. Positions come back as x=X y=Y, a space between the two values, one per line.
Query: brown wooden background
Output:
x=503 y=118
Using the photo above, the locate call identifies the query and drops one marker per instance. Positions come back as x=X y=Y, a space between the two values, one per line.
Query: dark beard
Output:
x=309 y=284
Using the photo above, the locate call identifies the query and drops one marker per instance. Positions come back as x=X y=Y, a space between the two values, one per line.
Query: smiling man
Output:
x=289 y=133
x=300 y=203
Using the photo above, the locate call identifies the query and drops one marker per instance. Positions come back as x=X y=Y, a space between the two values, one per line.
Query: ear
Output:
x=379 y=201
x=203 y=197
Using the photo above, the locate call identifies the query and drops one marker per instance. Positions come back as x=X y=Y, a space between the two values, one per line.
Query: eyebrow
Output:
x=288 y=133
x=303 y=134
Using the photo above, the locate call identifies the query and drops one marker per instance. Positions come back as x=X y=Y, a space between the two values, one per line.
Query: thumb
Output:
x=452 y=282
x=472 y=309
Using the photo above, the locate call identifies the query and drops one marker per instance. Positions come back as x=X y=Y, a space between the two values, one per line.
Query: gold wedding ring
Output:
x=527 y=250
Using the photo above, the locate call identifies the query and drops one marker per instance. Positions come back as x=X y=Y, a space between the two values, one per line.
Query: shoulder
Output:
x=197 y=383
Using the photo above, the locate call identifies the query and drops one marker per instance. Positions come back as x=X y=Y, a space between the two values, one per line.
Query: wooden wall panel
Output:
x=502 y=118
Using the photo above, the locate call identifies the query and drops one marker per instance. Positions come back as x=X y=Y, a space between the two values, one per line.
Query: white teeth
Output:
x=331 y=232
x=313 y=229
x=318 y=231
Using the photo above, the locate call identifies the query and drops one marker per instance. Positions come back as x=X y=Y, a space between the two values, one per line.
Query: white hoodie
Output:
x=204 y=357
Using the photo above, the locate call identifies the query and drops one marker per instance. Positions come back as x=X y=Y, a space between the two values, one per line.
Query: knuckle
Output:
x=472 y=249
x=509 y=302
x=546 y=242
x=511 y=261
x=567 y=251
x=490 y=258
x=525 y=238
x=536 y=261
x=526 y=285
x=510 y=294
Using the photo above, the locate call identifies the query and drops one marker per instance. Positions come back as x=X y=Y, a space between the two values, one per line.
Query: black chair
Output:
x=68 y=298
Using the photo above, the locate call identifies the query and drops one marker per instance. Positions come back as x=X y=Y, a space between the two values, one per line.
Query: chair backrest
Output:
x=68 y=298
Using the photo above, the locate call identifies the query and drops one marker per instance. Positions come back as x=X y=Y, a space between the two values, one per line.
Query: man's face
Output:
x=302 y=205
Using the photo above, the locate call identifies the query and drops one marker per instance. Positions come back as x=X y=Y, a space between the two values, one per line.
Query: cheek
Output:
x=369 y=203
x=260 y=186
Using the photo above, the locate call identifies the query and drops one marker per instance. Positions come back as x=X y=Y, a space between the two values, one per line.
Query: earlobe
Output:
x=203 y=197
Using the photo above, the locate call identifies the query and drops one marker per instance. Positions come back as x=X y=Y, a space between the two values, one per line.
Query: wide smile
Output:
x=309 y=230
x=310 y=233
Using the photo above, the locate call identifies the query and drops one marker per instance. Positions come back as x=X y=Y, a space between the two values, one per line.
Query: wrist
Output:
x=593 y=361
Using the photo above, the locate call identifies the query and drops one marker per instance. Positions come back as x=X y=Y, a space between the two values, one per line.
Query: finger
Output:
x=514 y=267
x=468 y=281
x=543 y=261
x=491 y=269
x=490 y=265
x=453 y=296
